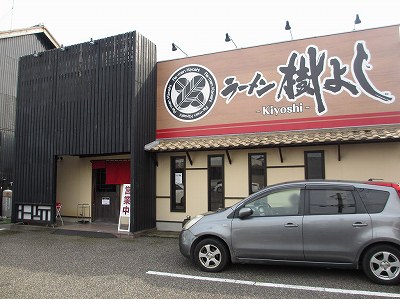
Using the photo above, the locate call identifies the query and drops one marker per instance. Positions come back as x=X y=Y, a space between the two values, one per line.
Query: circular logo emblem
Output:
x=190 y=93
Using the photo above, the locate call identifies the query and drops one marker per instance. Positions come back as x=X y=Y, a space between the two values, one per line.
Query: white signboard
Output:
x=105 y=201
x=125 y=211
x=178 y=178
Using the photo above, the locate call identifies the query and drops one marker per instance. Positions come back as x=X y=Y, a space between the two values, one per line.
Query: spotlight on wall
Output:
x=175 y=47
x=62 y=48
x=35 y=54
x=91 y=41
x=287 y=27
x=229 y=39
x=356 y=21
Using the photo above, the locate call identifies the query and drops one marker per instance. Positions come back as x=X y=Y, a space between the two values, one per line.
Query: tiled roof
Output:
x=275 y=139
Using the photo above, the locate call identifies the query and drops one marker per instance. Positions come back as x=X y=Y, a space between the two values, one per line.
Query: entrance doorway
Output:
x=106 y=199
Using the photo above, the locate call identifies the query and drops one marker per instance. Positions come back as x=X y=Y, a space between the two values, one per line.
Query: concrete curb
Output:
x=50 y=229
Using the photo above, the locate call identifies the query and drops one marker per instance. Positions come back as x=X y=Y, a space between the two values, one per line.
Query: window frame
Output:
x=250 y=173
x=173 y=204
x=306 y=164
x=209 y=187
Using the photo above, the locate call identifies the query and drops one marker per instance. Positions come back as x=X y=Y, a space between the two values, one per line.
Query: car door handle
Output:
x=291 y=225
x=359 y=224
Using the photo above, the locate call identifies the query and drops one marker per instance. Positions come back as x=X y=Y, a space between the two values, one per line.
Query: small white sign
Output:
x=178 y=178
x=105 y=201
x=124 y=222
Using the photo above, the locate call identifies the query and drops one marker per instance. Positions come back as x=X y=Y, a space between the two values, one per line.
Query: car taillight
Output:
x=397 y=187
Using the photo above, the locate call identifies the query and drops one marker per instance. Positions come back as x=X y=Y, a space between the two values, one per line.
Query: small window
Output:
x=374 y=200
x=330 y=202
x=256 y=172
x=282 y=203
x=216 y=182
x=314 y=165
x=178 y=177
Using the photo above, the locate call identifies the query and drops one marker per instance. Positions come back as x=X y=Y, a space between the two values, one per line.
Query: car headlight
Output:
x=192 y=222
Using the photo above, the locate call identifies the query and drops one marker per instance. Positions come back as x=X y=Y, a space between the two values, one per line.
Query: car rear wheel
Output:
x=382 y=264
x=211 y=255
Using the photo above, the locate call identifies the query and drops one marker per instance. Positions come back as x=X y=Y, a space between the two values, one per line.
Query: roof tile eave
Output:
x=340 y=135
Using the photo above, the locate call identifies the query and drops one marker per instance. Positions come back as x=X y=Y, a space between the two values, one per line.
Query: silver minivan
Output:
x=321 y=223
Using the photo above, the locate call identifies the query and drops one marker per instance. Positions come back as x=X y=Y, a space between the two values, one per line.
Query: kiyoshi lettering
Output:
x=302 y=76
x=272 y=110
x=360 y=66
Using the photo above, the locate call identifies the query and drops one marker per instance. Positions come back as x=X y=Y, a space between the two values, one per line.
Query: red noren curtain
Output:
x=118 y=172
x=98 y=164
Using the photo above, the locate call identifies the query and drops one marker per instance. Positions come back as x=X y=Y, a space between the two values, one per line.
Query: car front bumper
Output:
x=186 y=239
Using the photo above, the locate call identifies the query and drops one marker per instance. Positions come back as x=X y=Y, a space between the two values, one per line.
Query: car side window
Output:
x=281 y=203
x=374 y=200
x=330 y=202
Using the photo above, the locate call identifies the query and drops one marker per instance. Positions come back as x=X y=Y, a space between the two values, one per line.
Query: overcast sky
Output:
x=197 y=27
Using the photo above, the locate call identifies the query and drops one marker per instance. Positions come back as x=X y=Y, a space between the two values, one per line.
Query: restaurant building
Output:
x=84 y=114
x=231 y=123
x=103 y=126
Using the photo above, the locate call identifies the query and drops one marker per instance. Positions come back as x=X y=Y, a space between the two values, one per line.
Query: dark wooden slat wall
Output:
x=90 y=99
x=143 y=113
x=34 y=149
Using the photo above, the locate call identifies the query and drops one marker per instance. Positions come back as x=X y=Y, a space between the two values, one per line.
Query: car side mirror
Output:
x=245 y=212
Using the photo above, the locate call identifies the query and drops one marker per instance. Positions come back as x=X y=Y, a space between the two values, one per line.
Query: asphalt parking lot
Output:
x=41 y=263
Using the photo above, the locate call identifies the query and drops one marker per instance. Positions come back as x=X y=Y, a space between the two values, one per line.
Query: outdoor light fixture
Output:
x=35 y=54
x=356 y=21
x=287 y=27
x=229 y=39
x=62 y=48
x=91 y=41
x=175 y=47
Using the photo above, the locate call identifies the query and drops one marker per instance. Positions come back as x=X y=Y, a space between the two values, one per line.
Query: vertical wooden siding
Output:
x=143 y=113
x=90 y=99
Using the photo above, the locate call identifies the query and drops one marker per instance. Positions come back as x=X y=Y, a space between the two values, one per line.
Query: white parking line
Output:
x=277 y=285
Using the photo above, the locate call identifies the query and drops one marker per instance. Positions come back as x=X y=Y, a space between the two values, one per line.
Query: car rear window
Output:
x=374 y=200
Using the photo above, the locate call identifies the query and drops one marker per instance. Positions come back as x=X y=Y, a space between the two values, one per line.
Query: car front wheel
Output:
x=211 y=255
x=382 y=264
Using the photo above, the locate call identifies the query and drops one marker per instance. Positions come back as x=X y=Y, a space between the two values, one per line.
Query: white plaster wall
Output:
x=74 y=184
x=358 y=162
x=364 y=161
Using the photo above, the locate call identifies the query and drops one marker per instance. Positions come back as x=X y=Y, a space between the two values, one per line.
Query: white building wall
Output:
x=357 y=162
